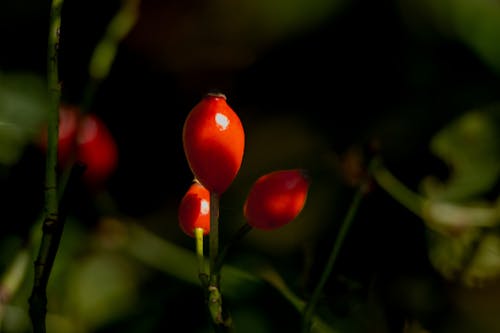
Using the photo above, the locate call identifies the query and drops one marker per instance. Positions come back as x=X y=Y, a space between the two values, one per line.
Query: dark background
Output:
x=386 y=72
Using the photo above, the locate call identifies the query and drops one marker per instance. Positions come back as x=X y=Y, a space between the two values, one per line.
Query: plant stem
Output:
x=346 y=223
x=48 y=246
x=398 y=190
x=198 y=233
x=221 y=322
x=48 y=249
x=214 y=236
x=240 y=233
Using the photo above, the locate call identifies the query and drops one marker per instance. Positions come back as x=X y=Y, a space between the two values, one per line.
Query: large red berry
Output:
x=194 y=210
x=96 y=148
x=276 y=198
x=213 y=140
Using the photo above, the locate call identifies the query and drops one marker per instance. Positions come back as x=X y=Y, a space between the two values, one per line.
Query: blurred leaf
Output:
x=463 y=244
x=16 y=320
x=478 y=24
x=472 y=257
x=449 y=255
x=470 y=146
x=102 y=288
x=23 y=107
x=485 y=265
x=475 y=22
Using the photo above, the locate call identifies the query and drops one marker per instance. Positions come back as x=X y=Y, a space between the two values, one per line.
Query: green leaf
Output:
x=470 y=146
x=473 y=257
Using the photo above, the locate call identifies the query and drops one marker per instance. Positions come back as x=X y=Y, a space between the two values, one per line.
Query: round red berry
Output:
x=213 y=141
x=194 y=210
x=96 y=148
x=276 y=198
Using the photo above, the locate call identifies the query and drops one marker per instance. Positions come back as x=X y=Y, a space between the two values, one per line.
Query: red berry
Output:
x=194 y=210
x=213 y=141
x=68 y=126
x=276 y=198
x=86 y=138
x=96 y=148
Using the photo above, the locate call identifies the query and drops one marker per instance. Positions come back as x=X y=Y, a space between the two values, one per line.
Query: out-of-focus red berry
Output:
x=84 y=138
x=276 y=198
x=96 y=148
x=194 y=210
x=214 y=141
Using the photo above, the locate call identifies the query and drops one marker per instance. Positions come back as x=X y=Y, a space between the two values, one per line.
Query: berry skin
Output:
x=276 y=198
x=194 y=210
x=213 y=141
x=96 y=148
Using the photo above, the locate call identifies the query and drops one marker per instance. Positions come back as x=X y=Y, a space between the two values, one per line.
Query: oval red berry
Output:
x=194 y=210
x=276 y=198
x=213 y=141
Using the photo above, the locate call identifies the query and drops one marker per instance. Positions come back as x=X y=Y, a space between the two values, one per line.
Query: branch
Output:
x=51 y=228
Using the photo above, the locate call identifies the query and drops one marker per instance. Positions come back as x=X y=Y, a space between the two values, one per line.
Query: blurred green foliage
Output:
x=23 y=108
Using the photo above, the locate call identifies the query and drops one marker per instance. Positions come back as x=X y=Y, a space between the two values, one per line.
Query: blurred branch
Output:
x=398 y=190
x=240 y=233
x=276 y=281
x=346 y=223
x=105 y=51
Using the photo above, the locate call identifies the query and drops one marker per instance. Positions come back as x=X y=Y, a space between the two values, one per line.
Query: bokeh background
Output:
x=317 y=84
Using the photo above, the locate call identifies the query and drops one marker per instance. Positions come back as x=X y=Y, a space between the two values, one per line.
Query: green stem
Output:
x=45 y=259
x=49 y=245
x=309 y=309
x=240 y=233
x=220 y=320
x=398 y=190
x=198 y=233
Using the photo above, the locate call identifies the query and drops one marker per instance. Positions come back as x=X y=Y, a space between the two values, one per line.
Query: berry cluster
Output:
x=214 y=141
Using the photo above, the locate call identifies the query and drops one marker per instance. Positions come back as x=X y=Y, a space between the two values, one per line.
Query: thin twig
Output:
x=344 y=228
x=240 y=233
x=106 y=49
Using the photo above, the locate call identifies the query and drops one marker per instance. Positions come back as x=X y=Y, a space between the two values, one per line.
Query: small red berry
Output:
x=276 y=198
x=213 y=141
x=194 y=210
x=86 y=138
x=96 y=148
